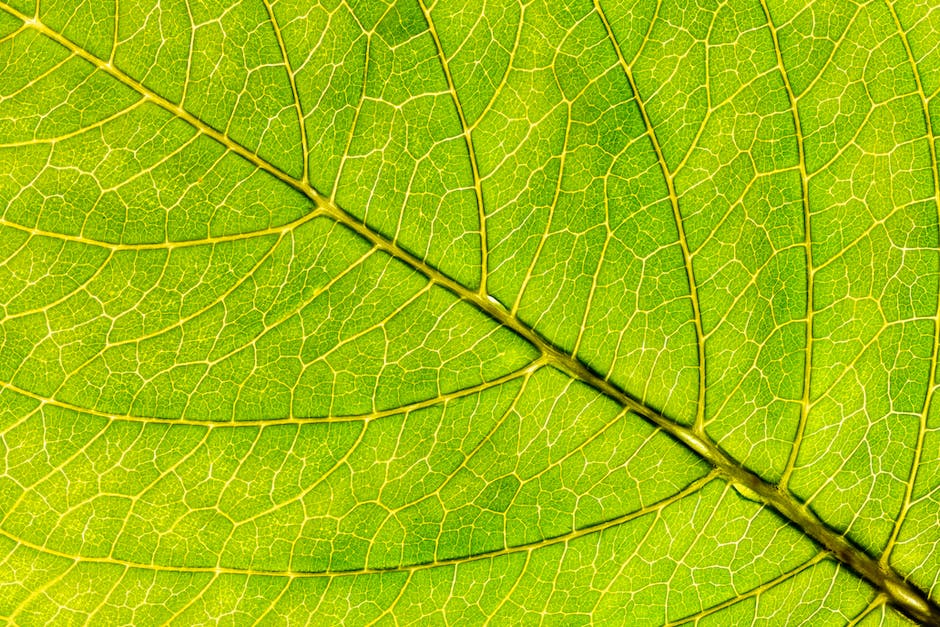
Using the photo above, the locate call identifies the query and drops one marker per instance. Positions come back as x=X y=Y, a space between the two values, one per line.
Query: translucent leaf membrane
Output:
x=663 y=575
x=454 y=312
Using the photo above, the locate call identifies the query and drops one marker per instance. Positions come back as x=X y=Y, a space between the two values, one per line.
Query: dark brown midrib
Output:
x=905 y=597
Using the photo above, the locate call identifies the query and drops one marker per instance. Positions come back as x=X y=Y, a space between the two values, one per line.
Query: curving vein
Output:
x=291 y=75
x=668 y=177
x=902 y=594
x=564 y=538
x=526 y=370
x=467 y=132
x=805 y=401
x=932 y=380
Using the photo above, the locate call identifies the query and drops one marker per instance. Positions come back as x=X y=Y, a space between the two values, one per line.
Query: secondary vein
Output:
x=805 y=400
x=902 y=595
x=699 y=425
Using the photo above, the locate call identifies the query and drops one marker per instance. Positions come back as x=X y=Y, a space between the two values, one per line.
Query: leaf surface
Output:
x=367 y=312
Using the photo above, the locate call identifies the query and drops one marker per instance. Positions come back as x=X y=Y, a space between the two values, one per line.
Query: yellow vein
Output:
x=677 y=215
x=465 y=130
x=180 y=322
x=876 y=603
x=354 y=124
x=805 y=399
x=504 y=79
x=14 y=34
x=293 y=87
x=277 y=599
x=165 y=245
x=836 y=46
x=115 y=586
x=903 y=595
x=77 y=132
x=595 y=276
x=196 y=597
x=753 y=592
x=446 y=397
x=931 y=382
x=437 y=494
x=115 y=31
x=388 y=615
x=563 y=538
x=562 y=159
x=40 y=590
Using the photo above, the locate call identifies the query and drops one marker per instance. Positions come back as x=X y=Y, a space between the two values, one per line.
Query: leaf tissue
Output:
x=465 y=311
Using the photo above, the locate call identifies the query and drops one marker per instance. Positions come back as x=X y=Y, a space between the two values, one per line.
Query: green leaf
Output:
x=571 y=312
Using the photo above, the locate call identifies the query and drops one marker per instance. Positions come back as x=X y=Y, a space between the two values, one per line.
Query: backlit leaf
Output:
x=417 y=312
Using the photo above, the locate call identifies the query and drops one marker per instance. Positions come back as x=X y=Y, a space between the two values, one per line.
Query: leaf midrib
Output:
x=906 y=597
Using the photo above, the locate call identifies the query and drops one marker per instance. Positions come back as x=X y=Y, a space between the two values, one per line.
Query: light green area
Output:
x=219 y=402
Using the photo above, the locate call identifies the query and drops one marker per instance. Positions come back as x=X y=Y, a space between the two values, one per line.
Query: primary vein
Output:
x=903 y=595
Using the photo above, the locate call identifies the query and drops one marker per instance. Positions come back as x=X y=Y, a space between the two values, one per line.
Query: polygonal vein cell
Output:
x=440 y=385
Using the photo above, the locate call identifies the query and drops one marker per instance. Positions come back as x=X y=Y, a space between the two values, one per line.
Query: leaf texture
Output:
x=456 y=312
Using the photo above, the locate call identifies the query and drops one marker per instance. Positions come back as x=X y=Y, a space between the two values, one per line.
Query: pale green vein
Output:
x=805 y=400
x=932 y=380
x=753 y=592
x=467 y=134
x=906 y=597
x=446 y=397
x=564 y=538
x=699 y=425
